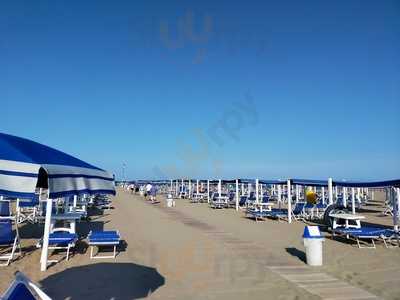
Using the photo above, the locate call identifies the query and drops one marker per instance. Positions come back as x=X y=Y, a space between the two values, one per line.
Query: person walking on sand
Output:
x=148 y=189
x=153 y=193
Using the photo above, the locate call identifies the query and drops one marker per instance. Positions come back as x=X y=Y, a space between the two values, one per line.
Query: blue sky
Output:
x=268 y=89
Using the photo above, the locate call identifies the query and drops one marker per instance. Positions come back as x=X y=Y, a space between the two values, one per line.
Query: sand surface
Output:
x=193 y=251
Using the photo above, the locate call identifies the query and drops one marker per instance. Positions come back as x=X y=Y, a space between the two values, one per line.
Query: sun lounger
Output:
x=9 y=241
x=103 y=238
x=297 y=212
x=22 y=288
x=364 y=234
x=61 y=238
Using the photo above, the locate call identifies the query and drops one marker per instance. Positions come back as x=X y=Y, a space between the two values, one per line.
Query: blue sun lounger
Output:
x=8 y=239
x=22 y=288
x=363 y=234
x=103 y=238
x=60 y=238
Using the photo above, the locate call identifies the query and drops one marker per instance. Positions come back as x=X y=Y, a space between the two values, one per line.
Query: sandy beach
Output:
x=197 y=252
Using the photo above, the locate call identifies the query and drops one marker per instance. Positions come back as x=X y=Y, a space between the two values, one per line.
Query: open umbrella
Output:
x=26 y=165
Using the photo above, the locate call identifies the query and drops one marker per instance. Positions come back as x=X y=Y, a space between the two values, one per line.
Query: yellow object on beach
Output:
x=311 y=197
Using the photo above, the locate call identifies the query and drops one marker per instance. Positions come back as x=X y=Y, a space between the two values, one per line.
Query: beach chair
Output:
x=22 y=288
x=27 y=210
x=61 y=239
x=103 y=238
x=368 y=233
x=9 y=241
x=5 y=208
x=297 y=212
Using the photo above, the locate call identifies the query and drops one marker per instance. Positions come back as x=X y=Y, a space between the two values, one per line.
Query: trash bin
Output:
x=313 y=240
x=170 y=201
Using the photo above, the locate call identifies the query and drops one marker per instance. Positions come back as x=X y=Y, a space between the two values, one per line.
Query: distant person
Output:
x=148 y=189
x=153 y=193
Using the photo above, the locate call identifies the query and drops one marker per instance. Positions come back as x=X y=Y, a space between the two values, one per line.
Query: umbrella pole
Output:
x=45 y=245
x=237 y=194
x=289 y=196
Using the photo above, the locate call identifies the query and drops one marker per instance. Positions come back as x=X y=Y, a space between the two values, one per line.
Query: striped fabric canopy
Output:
x=26 y=165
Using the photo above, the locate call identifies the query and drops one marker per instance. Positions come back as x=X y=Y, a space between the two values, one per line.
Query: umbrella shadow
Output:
x=117 y=281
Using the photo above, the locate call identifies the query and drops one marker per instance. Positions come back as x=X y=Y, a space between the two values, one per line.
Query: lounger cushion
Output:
x=62 y=238
x=7 y=235
x=104 y=237
x=366 y=231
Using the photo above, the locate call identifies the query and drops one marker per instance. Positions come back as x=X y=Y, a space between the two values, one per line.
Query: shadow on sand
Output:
x=117 y=281
x=298 y=253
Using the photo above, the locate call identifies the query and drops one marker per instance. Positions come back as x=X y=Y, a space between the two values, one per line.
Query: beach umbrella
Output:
x=26 y=165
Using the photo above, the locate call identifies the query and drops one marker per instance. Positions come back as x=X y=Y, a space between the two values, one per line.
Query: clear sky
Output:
x=268 y=89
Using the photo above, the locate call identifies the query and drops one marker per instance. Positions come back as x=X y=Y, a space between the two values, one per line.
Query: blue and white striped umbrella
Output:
x=24 y=163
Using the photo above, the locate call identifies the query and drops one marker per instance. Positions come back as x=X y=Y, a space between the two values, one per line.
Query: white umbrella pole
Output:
x=242 y=189
x=344 y=196
x=75 y=201
x=177 y=188
x=237 y=194
x=219 y=187
x=323 y=194
x=353 y=201
x=197 y=187
x=249 y=189
x=279 y=195
x=330 y=191
x=257 y=191
x=45 y=245
x=359 y=197
x=297 y=193
x=396 y=207
x=208 y=191
x=289 y=195
x=190 y=188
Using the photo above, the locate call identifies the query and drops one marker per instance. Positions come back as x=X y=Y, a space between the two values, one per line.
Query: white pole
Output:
x=330 y=191
x=177 y=188
x=261 y=191
x=289 y=195
x=396 y=211
x=323 y=194
x=249 y=189
x=257 y=191
x=197 y=187
x=45 y=245
x=353 y=201
x=237 y=194
x=219 y=187
x=172 y=186
x=344 y=196
x=208 y=191
x=297 y=193
x=75 y=201
x=242 y=188
x=190 y=188
x=359 y=197
x=279 y=194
